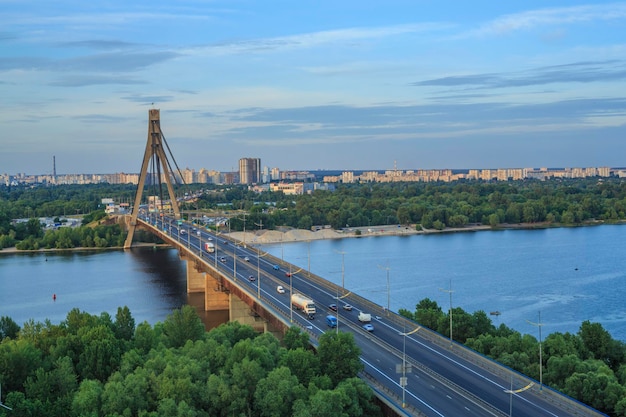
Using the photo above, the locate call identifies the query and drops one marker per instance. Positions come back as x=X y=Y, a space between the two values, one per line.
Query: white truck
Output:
x=365 y=317
x=304 y=304
x=209 y=247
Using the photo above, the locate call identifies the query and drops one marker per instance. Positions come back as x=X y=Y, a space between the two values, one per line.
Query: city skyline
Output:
x=314 y=86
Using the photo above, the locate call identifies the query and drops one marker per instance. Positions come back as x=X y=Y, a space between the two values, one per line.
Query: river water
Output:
x=559 y=277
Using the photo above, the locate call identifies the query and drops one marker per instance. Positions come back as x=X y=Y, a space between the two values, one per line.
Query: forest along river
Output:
x=568 y=275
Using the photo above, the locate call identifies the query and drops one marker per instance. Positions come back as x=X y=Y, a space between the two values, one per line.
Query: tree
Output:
x=124 y=325
x=101 y=353
x=18 y=360
x=339 y=356
x=295 y=338
x=276 y=393
x=8 y=328
x=183 y=325
x=303 y=364
x=428 y=313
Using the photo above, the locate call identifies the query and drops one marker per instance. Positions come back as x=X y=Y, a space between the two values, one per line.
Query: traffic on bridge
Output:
x=414 y=370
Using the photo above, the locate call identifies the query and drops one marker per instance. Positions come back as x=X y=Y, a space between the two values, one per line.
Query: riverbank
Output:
x=289 y=234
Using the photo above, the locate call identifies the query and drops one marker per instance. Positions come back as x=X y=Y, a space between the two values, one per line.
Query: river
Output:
x=556 y=277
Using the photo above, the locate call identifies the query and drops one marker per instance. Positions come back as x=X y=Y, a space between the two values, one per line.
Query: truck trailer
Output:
x=209 y=247
x=304 y=304
x=365 y=317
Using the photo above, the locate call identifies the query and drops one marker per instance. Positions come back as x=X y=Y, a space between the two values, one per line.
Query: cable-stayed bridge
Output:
x=412 y=370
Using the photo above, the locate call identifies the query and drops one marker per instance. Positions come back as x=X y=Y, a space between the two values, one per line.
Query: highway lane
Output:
x=442 y=382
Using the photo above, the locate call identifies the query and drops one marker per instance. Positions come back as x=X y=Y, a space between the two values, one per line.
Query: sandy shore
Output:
x=300 y=235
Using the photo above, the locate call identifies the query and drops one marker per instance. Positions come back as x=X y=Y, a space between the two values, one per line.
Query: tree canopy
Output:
x=96 y=366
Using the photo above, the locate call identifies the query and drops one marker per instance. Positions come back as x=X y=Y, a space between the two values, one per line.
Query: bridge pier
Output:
x=196 y=281
x=240 y=311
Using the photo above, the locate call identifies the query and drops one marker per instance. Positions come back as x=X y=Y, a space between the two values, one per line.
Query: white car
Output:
x=280 y=289
x=247 y=259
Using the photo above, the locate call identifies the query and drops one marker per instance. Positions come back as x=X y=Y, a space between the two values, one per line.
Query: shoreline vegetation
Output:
x=286 y=234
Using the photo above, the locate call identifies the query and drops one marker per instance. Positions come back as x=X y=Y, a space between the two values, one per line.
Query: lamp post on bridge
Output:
x=405 y=369
x=258 y=263
x=258 y=269
x=387 y=268
x=343 y=287
x=449 y=292
x=539 y=324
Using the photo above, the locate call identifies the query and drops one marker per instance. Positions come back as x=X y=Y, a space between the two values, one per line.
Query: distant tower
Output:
x=54 y=166
x=250 y=170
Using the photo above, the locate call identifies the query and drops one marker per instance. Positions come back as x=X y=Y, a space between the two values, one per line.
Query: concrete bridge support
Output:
x=240 y=311
x=196 y=280
x=221 y=295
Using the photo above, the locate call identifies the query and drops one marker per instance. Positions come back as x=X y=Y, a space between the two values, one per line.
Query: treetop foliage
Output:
x=589 y=366
x=91 y=365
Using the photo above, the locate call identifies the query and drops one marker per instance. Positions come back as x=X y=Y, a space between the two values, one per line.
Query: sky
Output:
x=307 y=85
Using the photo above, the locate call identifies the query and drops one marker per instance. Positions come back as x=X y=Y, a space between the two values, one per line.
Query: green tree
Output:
x=295 y=338
x=428 y=313
x=303 y=364
x=124 y=326
x=339 y=356
x=8 y=328
x=276 y=393
x=101 y=353
x=183 y=325
x=87 y=401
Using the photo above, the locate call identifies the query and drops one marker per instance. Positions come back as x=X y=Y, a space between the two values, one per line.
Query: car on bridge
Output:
x=288 y=274
x=247 y=259
x=347 y=307
x=368 y=327
x=280 y=289
x=222 y=259
x=276 y=267
x=333 y=307
x=251 y=278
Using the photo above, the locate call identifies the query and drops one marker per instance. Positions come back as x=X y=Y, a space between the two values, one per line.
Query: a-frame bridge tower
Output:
x=156 y=157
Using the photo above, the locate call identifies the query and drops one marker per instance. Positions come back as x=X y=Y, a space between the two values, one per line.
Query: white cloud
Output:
x=550 y=17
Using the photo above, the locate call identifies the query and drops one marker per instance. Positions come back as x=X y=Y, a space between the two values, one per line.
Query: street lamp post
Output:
x=387 y=268
x=258 y=269
x=343 y=286
x=449 y=292
x=539 y=324
x=517 y=391
x=235 y=262
x=309 y=258
x=405 y=369
x=290 y=294
x=258 y=264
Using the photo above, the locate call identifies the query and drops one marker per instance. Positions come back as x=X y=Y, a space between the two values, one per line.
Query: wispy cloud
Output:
x=550 y=17
x=315 y=39
x=80 y=80
x=579 y=72
x=112 y=62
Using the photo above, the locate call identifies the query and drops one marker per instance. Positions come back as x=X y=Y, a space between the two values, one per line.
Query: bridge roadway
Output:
x=443 y=378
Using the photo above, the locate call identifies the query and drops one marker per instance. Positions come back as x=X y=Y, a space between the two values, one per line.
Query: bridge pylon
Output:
x=154 y=152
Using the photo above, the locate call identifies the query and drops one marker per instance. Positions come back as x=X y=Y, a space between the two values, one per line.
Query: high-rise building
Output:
x=250 y=170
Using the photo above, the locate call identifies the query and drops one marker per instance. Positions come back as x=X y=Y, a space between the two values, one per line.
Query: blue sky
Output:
x=322 y=84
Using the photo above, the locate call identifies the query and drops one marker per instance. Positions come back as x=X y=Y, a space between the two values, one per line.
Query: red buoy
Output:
x=54 y=297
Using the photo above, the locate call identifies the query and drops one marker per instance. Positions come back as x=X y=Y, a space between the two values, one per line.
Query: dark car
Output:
x=333 y=307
